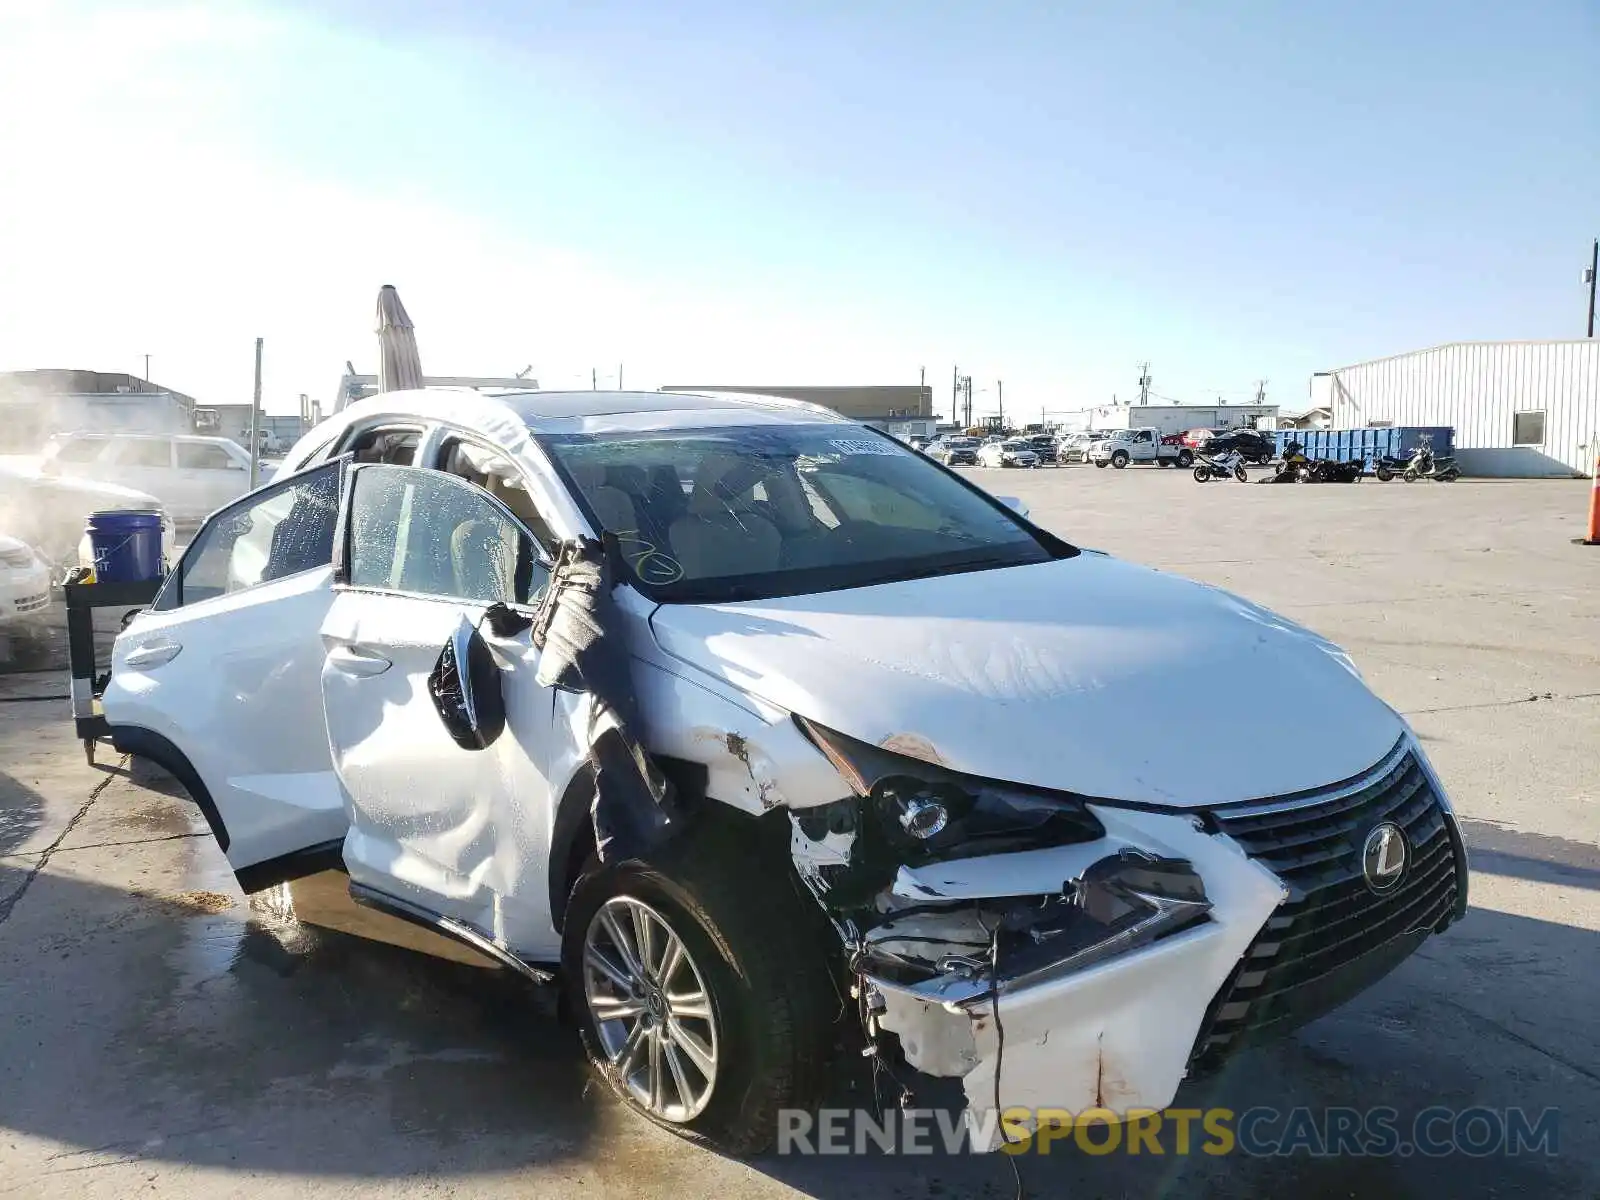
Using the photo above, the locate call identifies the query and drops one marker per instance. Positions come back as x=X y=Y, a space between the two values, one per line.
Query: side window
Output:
x=386 y=444
x=281 y=530
x=143 y=452
x=204 y=456
x=499 y=476
x=433 y=534
x=81 y=450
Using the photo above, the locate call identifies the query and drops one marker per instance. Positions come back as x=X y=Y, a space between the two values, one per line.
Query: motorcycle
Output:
x=1327 y=470
x=1294 y=467
x=1229 y=462
x=1424 y=465
x=1390 y=465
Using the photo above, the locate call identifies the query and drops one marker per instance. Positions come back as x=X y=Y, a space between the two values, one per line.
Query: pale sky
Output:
x=805 y=193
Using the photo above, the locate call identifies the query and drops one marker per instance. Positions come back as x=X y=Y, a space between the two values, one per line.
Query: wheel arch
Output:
x=147 y=743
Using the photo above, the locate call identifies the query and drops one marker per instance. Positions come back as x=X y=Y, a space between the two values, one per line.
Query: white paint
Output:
x=243 y=700
x=463 y=833
x=1087 y=674
x=1118 y=1034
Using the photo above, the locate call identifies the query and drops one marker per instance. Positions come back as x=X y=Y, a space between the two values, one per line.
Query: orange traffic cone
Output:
x=1594 y=509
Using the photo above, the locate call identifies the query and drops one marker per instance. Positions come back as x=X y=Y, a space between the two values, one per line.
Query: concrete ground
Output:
x=163 y=1035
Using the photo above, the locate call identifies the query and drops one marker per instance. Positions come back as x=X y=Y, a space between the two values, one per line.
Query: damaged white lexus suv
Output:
x=771 y=740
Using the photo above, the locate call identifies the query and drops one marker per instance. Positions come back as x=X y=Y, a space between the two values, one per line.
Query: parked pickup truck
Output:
x=1140 y=445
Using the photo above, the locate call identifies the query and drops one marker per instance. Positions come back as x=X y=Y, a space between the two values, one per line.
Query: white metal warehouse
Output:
x=1176 y=418
x=1518 y=408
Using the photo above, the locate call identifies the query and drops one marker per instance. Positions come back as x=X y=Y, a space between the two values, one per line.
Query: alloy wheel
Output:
x=651 y=1009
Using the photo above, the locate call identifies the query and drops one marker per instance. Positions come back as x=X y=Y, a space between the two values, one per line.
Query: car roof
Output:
x=140 y=435
x=591 y=411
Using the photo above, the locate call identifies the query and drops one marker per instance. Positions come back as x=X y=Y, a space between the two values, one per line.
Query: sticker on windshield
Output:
x=862 y=446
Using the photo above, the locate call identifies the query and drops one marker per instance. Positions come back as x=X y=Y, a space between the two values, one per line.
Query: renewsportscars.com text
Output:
x=1258 y=1132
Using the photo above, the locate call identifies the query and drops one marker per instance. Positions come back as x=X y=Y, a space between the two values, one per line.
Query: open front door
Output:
x=449 y=818
x=220 y=680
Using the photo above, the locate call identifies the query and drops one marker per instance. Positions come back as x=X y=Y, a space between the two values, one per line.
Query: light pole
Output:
x=1589 y=278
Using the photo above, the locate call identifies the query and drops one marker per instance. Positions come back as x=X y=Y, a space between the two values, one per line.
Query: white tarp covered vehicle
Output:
x=908 y=732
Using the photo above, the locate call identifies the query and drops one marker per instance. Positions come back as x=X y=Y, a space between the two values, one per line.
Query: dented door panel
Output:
x=461 y=833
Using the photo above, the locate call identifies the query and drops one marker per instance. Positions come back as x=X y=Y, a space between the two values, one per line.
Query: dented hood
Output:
x=1087 y=674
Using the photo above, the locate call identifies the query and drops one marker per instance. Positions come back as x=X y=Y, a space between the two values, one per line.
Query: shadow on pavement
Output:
x=190 y=1027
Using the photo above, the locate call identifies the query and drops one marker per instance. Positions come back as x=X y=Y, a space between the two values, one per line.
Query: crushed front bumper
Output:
x=1292 y=929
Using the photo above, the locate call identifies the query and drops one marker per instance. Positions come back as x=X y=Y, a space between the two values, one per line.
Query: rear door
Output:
x=221 y=680
x=460 y=833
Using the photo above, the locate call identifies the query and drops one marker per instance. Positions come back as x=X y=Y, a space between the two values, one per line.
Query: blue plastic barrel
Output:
x=126 y=545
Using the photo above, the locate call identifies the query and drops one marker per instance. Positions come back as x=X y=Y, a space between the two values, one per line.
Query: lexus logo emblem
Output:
x=1383 y=857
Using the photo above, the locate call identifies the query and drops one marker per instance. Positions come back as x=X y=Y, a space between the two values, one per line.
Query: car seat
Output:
x=718 y=535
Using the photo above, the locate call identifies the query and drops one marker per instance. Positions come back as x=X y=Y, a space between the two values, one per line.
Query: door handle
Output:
x=355 y=661
x=153 y=653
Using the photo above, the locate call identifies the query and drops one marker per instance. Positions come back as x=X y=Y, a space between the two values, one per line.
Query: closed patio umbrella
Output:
x=399 y=366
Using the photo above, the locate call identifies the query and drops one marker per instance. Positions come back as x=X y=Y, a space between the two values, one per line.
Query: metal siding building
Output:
x=1518 y=408
x=1177 y=418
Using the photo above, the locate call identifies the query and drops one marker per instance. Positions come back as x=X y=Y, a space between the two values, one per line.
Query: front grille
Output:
x=1333 y=936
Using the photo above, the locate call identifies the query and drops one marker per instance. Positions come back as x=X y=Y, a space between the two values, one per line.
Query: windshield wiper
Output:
x=956 y=568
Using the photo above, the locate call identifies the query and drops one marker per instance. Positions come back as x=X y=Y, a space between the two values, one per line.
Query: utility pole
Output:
x=619 y=377
x=594 y=379
x=1591 y=332
x=1144 y=383
x=1261 y=391
x=1589 y=278
x=1000 y=397
x=955 y=395
x=255 y=424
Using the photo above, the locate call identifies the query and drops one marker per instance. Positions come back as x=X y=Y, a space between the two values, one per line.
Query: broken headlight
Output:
x=907 y=812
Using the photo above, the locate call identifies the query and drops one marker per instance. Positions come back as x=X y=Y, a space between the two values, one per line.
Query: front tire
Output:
x=1384 y=474
x=1101 y=463
x=1241 y=475
x=1410 y=475
x=1185 y=458
x=1201 y=474
x=713 y=1038
x=1119 y=459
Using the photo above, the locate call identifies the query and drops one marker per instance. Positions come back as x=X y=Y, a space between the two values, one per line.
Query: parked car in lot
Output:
x=348 y=669
x=1250 y=445
x=1139 y=446
x=1074 y=447
x=191 y=475
x=1044 y=445
x=1014 y=452
x=24 y=587
x=956 y=451
x=48 y=512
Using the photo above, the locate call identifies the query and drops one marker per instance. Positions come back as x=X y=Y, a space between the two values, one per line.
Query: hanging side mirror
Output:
x=465 y=688
x=1015 y=504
